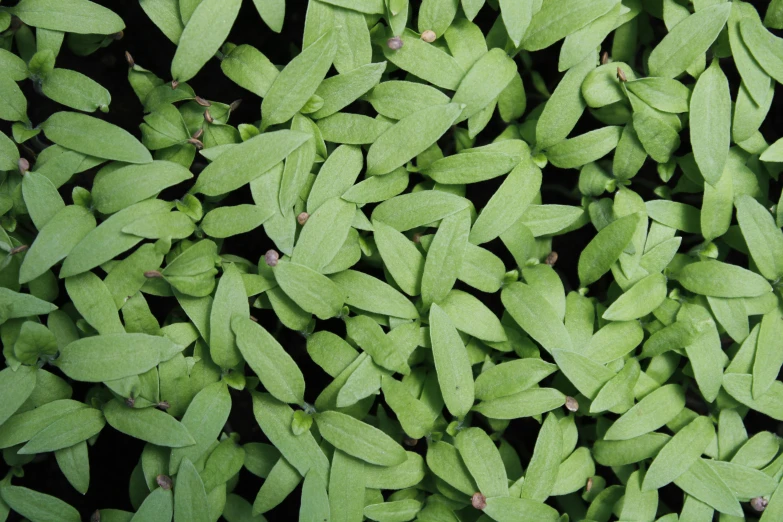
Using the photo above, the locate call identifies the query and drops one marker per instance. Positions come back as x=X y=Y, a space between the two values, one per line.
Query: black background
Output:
x=114 y=455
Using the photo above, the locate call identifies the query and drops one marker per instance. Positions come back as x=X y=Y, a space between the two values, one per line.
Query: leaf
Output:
x=663 y=94
x=21 y=427
x=516 y=18
x=578 y=44
x=718 y=279
x=605 y=248
x=763 y=45
x=762 y=236
x=337 y=175
x=754 y=78
x=437 y=15
x=586 y=375
x=148 y=424
x=702 y=482
x=367 y=293
x=557 y=20
x=72 y=429
x=205 y=417
x=511 y=377
x=470 y=168
x=405 y=509
x=272 y=13
x=94 y=302
x=510 y=509
x=75 y=90
x=536 y=316
x=617 y=394
x=444 y=257
x=16 y=305
x=679 y=453
x=166 y=16
x=233 y=220
x=190 y=497
x=417 y=209
x=649 y=414
x=358 y=439
x=315 y=502
x=451 y=363
x=370 y=338
x=446 y=463
x=94 y=137
x=565 y=107
x=277 y=371
x=72 y=16
x=313 y=292
x=118 y=189
x=397 y=99
x=37 y=506
x=574 y=472
x=415 y=417
x=301 y=451
x=346 y=499
x=526 y=403
x=425 y=61
x=298 y=81
x=768 y=360
x=249 y=68
x=642 y=298
x=471 y=316
x=580 y=150
x=744 y=482
x=230 y=300
x=688 y=40
x=547 y=453
x=710 y=122
x=247 y=161
x=404 y=475
x=16 y=387
x=323 y=234
x=400 y=257
x=75 y=464
x=483 y=460
x=410 y=137
x=204 y=33
x=484 y=82
x=156 y=507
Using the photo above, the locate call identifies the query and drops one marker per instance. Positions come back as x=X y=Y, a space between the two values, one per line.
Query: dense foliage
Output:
x=510 y=260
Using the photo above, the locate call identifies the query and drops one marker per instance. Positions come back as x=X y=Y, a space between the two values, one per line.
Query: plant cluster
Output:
x=393 y=195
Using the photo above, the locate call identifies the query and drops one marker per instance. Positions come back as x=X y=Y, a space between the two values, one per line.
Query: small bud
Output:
x=201 y=101
x=302 y=218
x=130 y=401
x=759 y=503
x=153 y=274
x=394 y=43
x=478 y=500
x=198 y=134
x=234 y=105
x=18 y=250
x=96 y=516
x=605 y=58
x=429 y=36
x=119 y=35
x=174 y=84
x=417 y=237
x=24 y=165
x=196 y=143
x=551 y=258
x=621 y=75
x=255 y=320
x=589 y=485
x=163 y=405
x=571 y=404
x=271 y=257
x=208 y=117
x=163 y=481
x=129 y=59
x=411 y=442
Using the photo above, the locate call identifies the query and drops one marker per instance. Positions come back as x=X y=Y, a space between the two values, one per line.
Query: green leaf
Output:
x=754 y=78
x=405 y=509
x=764 y=46
x=605 y=248
x=470 y=168
x=710 y=122
x=247 y=161
x=679 y=453
x=204 y=33
x=649 y=414
x=65 y=432
x=444 y=257
x=511 y=377
x=410 y=137
x=744 y=482
x=166 y=16
x=113 y=356
x=404 y=475
x=94 y=137
x=369 y=336
x=536 y=316
x=298 y=81
x=13 y=104
x=718 y=279
x=762 y=236
x=574 y=472
x=579 y=44
x=301 y=451
x=446 y=463
x=451 y=363
x=271 y=363
x=471 y=316
x=38 y=506
x=417 y=209
x=121 y=188
x=400 y=257
x=663 y=94
x=367 y=293
x=688 y=40
x=643 y=297
x=75 y=90
x=483 y=460
x=617 y=394
x=526 y=403
x=315 y=502
x=415 y=417
x=249 y=68
x=580 y=150
x=586 y=375
x=768 y=359
x=484 y=82
x=424 y=61
x=156 y=507
x=313 y=292
x=205 y=417
x=16 y=387
x=16 y=305
x=92 y=299
x=547 y=453
x=230 y=301
x=41 y=198
x=72 y=16
x=75 y=464
x=702 y=482
x=323 y=234
x=557 y=20
x=614 y=340
x=233 y=220
x=190 y=497
x=346 y=490
x=272 y=13
x=148 y=424
x=397 y=99
x=358 y=439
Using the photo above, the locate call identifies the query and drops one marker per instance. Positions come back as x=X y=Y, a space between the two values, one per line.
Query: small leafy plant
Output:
x=386 y=296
